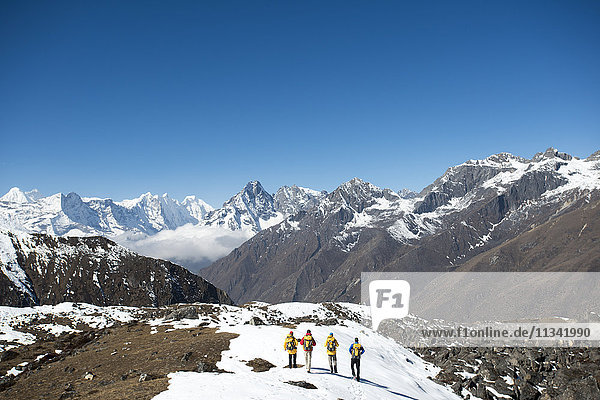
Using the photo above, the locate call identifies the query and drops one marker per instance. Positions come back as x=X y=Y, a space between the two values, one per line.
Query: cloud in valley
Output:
x=191 y=246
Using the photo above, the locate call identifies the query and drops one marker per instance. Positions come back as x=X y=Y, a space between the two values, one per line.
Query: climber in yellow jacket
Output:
x=331 y=344
x=291 y=345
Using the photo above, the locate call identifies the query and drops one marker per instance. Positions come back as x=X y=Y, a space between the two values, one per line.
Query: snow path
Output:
x=388 y=370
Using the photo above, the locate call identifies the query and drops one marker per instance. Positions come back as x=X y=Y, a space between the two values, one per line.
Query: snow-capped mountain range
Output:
x=474 y=205
x=190 y=232
x=548 y=178
x=253 y=208
x=469 y=212
x=72 y=215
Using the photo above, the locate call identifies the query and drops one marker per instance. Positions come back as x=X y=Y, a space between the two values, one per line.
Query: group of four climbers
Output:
x=331 y=345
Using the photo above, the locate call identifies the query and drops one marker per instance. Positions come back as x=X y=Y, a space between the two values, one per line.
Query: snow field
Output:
x=388 y=371
x=93 y=316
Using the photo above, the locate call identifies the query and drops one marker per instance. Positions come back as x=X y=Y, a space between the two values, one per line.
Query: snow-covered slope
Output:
x=15 y=321
x=69 y=341
x=388 y=370
x=14 y=276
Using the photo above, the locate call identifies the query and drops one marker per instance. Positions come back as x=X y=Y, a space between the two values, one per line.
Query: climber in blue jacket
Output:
x=356 y=350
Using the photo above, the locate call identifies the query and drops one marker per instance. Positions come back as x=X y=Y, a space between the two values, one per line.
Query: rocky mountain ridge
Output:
x=43 y=269
x=473 y=208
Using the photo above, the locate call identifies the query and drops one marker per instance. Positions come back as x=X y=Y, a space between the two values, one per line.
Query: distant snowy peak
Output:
x=197 y=208
x=16 y=195
x=72 y=215
x=547 y=171
x=407 y=194
x=551 y=153
x=251 y=209
x=253 y=198
x=357 y=195
x=191 y=206
x=162 y=212
x=292 y=199
x=254 y=209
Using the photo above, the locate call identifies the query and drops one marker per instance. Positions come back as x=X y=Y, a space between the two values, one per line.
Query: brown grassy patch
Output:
x=116 y=357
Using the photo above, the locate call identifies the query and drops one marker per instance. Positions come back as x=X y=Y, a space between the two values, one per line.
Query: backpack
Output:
x=331 y=345
x=308 y=343
x=356 y=350
x=289 y=345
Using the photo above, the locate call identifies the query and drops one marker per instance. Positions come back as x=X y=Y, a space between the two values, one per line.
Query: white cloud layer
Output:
x=192 y=246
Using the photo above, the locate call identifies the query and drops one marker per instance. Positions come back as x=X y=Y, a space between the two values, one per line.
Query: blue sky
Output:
x=118 y=98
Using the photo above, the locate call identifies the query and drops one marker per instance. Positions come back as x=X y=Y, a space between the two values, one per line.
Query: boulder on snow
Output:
x=255 y=321
x=302 y=384
x=260 y=365
x=190 y=312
